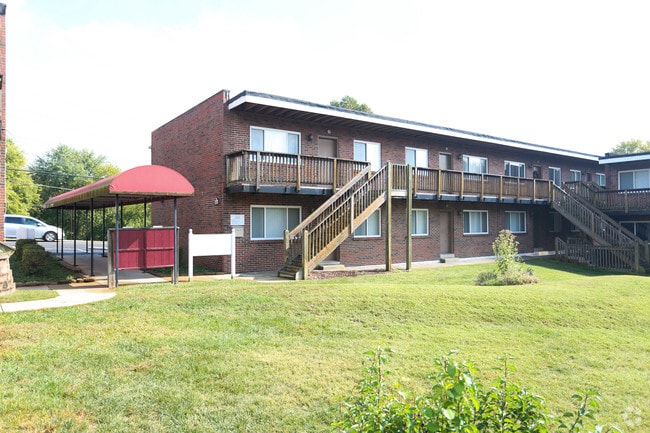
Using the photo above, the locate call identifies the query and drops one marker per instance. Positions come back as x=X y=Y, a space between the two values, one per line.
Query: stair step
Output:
x=330 y=265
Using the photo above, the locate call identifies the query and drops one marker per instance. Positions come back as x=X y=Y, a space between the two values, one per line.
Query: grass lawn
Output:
x=242 y=356
x=28 y=295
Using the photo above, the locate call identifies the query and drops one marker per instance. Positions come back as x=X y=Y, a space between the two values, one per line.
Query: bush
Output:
x=20 y=245
x=510 y=270
x=457 y=402
x=34 y=259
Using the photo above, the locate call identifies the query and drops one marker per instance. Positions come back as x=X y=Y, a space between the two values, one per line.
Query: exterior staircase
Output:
x=605 y=232
x=316 y=237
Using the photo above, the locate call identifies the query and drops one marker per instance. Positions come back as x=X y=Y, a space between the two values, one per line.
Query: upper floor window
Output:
x=555 y=175
x=576 y=175
x=270 y=222
x=600 y=179
x=369 y=228
x=474 y=164
x=417 y=157
x=369 y=152
x=634 y=179
x=516 y=222
x=475 y=222
x=275 y=140
x=419 y=222
x=515 y=169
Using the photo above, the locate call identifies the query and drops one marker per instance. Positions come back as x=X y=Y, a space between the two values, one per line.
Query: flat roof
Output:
x=248 y=98
x=612 y=158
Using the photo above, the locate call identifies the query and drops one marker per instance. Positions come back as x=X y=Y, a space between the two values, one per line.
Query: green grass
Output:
x=28 y=295
x=52 y=271
x=235 y=355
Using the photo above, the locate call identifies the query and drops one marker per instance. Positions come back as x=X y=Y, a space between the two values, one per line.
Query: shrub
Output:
x=509 y=268
x=457 y=402
x=20 y=245
x=34 y=259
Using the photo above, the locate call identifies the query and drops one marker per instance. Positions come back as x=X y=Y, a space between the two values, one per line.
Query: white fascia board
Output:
x=628 y=158
x=255 y=99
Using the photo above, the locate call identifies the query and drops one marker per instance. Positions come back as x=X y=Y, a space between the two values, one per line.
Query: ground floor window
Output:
x=639 y=228
x=369 y=228
x=555 y=222
x=419 y=222
x=475 y=222
x=516 y=222
x=270 y=222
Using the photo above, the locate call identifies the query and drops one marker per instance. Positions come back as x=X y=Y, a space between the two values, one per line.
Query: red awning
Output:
x=137 y=185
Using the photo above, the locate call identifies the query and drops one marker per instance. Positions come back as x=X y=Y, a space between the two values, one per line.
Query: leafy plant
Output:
x=509 y=268
x=457 y=402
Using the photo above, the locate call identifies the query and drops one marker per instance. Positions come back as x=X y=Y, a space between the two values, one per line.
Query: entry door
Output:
x=444 y=161
x=327 y=147
x=446 y=233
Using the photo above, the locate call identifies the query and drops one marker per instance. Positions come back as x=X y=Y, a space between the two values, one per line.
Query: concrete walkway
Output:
x=66 y=298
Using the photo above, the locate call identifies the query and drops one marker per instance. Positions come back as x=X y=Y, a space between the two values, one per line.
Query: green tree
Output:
x=351 y=104
x=631 y=146
x=22 y=193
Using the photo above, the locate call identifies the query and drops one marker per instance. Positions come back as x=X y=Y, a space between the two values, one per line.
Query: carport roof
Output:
x=146 y=183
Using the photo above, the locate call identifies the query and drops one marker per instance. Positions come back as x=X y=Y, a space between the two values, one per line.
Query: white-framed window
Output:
x=275 y=140
x=419 y=222
x=555 y=222
x=370 y=228
x=600 y=179
x=634 y=179
x=474 y=164
x=515 y=169
x=575 y=175
x=270 y=222
x=417 y=157
x=516 y=221
x=555 y=175
x=368 y=151
x=475 y=222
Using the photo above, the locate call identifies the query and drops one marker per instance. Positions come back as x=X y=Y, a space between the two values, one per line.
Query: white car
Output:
x=21 y=226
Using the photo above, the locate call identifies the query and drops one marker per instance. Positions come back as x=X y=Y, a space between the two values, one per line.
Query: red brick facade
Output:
x=197 y=143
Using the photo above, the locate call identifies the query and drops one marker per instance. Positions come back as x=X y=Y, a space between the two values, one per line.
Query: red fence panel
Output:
x=147 y=248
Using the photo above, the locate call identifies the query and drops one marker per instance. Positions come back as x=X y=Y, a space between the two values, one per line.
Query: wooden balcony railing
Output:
x=612 y=200
x=619 y=258
x=266 y=168
x=271 y=169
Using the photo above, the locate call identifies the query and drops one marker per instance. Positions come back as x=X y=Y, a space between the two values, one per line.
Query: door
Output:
x=444 y=161
x=327 y=147
x=446 y=233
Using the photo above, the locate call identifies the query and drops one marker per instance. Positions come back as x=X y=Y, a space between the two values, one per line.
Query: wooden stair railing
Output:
x=336 y=219
x=595 y=223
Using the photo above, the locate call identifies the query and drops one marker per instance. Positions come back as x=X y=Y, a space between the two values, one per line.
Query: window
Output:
x=515 y=169
x=634 y=179
x=369 y=228
x=555 y=174
x=419 y=222
x=516 y=222
x=274 y=140
x=417 y=157
x=555 y=222
x=270 y=222
x=576 y=175
x=600 y=179
x=369 y=152
x=474 y=164
x=475 y=222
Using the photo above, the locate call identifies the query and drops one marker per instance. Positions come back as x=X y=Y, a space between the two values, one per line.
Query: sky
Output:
x=102 y=75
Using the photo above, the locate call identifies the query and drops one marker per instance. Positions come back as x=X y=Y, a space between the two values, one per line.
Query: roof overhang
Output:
x=334 y=116
x=142 y=184
x=632 y=157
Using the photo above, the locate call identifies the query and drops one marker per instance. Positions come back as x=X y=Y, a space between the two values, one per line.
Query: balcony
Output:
x=630 y=201
x=253 y=171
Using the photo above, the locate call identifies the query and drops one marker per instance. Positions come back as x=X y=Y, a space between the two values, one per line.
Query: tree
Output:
x=22 y=194
x=631 y=146
x=350 y=103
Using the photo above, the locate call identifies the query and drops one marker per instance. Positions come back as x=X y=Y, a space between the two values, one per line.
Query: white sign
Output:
x=210 y=245
x=237 y=220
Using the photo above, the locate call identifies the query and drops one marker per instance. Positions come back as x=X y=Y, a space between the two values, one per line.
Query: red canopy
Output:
x=137 y=185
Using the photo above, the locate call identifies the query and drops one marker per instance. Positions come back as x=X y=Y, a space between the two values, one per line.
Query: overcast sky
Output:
x=102 y=75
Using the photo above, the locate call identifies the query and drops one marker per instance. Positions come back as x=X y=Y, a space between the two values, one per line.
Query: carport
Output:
x=139 y=185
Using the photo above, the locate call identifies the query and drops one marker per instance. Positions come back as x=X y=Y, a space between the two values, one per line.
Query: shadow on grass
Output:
x=574 y=268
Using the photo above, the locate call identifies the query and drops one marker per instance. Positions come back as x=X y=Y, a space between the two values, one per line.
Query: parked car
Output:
x=20 y=226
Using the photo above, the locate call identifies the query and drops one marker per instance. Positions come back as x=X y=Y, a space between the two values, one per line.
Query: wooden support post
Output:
x=439 y=184
x=462 y=184
x=409 y=219
x=335 y=181
x=482 y=186
x=389 y=217
x=305 y=250
x=500 y=188
x=298 y=173
x=258 y=171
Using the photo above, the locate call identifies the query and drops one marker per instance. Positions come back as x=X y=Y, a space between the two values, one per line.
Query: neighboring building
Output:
x=262 y=163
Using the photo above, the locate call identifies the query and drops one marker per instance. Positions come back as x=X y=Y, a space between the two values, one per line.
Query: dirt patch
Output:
x=323 y=275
